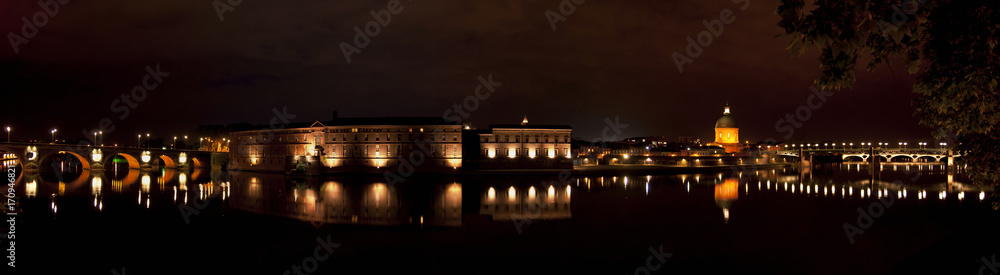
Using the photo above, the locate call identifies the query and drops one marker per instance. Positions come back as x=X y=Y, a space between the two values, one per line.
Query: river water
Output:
x=829 y=219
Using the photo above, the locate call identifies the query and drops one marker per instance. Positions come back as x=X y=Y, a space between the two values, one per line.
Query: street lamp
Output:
x=95 y=137
x=54 y=136
x=8 y=133
x=147 y=140
x=175 y=143
x=138 y=140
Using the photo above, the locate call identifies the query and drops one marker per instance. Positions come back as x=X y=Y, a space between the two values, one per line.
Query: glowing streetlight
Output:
x=138 y=140
x=8 y=133
x=54 y=135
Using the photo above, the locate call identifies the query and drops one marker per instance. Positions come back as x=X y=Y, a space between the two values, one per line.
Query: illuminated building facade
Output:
x=350 y=145
x=727 y=134
x=524 y=146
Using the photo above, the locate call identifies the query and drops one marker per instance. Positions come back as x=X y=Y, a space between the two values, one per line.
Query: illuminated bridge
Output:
x=881 y=154
x=32 y=155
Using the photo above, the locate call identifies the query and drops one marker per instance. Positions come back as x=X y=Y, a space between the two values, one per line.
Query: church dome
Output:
x=726 y=121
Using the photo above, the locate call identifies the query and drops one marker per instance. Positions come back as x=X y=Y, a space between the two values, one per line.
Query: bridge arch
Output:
x=168 y=162
x=927 y=158
x=16 y=160
x=84 y=161
x=900 y=158
x=133 y=162
x=198 y=163
x=853 y=158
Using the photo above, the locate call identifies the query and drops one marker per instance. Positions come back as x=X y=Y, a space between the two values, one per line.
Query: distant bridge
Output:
x=882 y=154
x=32 y=155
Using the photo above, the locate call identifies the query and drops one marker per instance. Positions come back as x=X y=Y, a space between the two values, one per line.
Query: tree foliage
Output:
x=950 y=45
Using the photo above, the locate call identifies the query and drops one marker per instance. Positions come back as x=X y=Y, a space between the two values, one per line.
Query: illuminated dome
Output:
x=726 y=121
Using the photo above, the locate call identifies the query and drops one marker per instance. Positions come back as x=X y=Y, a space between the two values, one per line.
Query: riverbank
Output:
x=617 y=169
x=625 y=169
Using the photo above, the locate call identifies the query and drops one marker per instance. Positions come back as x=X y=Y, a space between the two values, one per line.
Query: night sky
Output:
x=607 y=59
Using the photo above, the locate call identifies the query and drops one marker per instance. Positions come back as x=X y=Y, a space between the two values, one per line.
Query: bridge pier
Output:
x=950 y=167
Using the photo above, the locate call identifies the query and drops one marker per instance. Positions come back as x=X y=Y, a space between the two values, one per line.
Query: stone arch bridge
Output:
x=32 y=155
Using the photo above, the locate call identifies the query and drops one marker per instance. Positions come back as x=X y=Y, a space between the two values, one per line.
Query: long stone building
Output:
x=404 y=144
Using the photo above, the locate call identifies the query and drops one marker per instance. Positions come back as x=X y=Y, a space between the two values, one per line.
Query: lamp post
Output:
x=8 y=133
x=147 y=140
x=95 y=137
x=175 y=143
x=138 y=140
x=54 y=135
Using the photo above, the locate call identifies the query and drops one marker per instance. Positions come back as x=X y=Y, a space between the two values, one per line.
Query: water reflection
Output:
x=726 y=194
x=439 y=201
x=553 y=204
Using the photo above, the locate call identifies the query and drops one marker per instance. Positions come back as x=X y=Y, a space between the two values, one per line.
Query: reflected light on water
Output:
x=31 y=189
x=145 y=183
x=95 y=186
